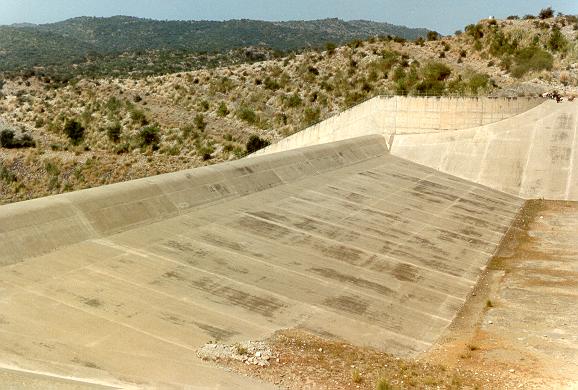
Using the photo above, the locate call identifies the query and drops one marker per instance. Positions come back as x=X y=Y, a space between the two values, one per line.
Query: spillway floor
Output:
x=529 y=326
x=382 y=253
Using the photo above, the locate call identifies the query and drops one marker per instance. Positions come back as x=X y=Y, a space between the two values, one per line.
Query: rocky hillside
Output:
x=94 y=132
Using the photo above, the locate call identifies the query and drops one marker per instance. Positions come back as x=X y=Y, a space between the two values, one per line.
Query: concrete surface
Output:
x=531 y=155
x=122 y=284
x=388 y=115
x=377 y=240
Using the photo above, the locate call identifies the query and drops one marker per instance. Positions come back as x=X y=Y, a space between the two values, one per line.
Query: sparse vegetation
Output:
x=209 y=114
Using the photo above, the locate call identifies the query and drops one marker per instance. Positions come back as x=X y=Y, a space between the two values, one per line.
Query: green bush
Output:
x=200 y=122
x=478 y=82
x=149 y=136
x=223 y=110
x=311 y=116
x=330 y=47
x=546 y=13
x=557 y=41
x=113 y=132
x=531 y=59
x=433 y=36
x=294 y=100
x=383 y=384
x=6 y=175
x=271 y=84
x=138 y=117
x=75 y=131
x=436 y=71
x=248 y=115
x=476 y=31
x=256 y=143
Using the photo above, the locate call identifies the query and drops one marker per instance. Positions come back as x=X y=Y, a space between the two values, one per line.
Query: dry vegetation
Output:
x=306 y=361
x=95 y=132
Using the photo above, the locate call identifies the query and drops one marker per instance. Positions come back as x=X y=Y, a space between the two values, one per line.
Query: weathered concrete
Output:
x=388 y=115
x=531 y=155
x=123 y=283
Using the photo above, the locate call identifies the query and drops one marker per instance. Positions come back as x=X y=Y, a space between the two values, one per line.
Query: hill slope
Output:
x=24 y=46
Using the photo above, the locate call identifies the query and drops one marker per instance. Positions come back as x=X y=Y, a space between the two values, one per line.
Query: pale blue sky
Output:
x=444 y=16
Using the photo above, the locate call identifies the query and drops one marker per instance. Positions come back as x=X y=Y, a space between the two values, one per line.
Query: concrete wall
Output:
x=388 y=115
x=530 y=155
x=42 y=225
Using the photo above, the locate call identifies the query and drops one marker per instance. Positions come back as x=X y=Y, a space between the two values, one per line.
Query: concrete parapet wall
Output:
x=387 y=115
x=39 y=226
x=530 y=155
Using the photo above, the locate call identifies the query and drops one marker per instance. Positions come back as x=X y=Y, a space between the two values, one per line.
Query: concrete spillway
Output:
x=123 y=283
x=531 y=155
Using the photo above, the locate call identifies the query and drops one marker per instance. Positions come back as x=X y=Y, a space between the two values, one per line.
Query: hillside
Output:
x=94 y=132
x=86 y=39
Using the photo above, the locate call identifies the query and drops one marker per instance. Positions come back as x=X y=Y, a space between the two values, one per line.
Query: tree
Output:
x=74 y=130
x=433 y=36
x=256 y=143
x=546 y=13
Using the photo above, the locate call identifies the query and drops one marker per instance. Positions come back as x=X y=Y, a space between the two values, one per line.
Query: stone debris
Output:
x=256 y=353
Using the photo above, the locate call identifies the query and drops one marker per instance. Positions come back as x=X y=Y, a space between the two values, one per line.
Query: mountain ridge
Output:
x=24 y=46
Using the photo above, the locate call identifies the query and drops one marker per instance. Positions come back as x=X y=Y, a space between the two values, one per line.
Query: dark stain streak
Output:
x=347 y=303
x=363 y=283
x=266 y=306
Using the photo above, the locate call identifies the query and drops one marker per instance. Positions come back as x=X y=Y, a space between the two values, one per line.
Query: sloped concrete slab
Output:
x=345 y=240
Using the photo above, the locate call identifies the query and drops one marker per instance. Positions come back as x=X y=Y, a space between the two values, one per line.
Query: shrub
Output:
x=546 y=13
x=113 y=105
x=356 y=376
x=200 y=122
x=311 y=116
x=479 y=81
x=433 y=36
x=6 y=138
x=500 y=45
x=75 y=131
x=138 y=117
x=294 y=100
x=436 y=71
x=531 y=59
x=113 y=132
x=476 y=31
x=204 y=105
x=256 y=143
x=6 y=175
x=383 y=384
x=557 y=41
x=149 y=136
x=223 y=110
x=330 y=47
x=271 y=84
x=248 y=115
x=513 y=17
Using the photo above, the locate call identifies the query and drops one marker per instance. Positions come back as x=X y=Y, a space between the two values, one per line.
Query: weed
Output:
x=356 y=376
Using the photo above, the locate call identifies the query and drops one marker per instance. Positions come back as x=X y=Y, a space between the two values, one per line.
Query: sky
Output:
x=444 y=16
